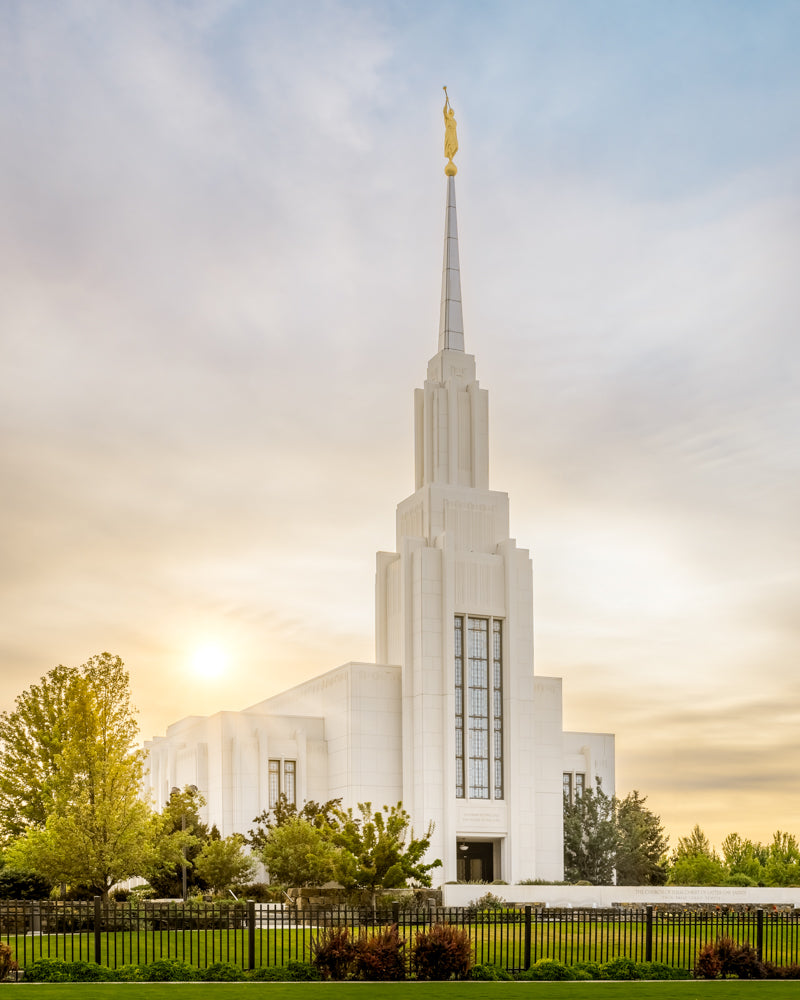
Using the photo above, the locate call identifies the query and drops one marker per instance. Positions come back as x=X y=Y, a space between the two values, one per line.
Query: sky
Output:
x=220 y=264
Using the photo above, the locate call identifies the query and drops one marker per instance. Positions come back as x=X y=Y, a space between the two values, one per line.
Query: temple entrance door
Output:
x=475 y=861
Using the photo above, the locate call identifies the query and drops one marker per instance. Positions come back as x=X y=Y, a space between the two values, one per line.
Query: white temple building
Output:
x=451 y=718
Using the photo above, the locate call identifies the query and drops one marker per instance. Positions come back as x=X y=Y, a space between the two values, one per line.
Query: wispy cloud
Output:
x=219 y=268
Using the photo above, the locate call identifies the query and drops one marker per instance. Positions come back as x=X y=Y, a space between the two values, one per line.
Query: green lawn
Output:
x=497 y=944
x=731 y=990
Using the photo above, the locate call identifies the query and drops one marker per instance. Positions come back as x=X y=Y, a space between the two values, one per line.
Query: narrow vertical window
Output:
x=497 y=706
x=478 y=708
x=478 y=691
x=274 y=782
x=568 y=786
x=459 y=706
x=289 y=784
x=580 y=783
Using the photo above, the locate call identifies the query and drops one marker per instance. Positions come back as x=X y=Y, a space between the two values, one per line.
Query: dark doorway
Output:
x=475 y=861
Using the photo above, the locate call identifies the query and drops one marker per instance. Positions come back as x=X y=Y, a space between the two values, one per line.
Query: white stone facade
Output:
x=451 y=720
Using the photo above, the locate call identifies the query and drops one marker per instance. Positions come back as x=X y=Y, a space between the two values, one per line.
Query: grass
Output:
x=729 y=990
x=497 y=944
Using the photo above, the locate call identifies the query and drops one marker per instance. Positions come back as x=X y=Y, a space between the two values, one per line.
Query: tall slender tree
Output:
x=99 y=830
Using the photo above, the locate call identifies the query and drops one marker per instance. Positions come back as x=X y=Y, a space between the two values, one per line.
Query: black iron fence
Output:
x=252 y=935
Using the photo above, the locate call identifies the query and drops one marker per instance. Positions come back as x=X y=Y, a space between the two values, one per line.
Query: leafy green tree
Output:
x=321 y=815
x=223 y=864
x=695 y=845
x=641 y=843
x=32 y=740
x=696 y=869
x=384 y=848
x=323 y=842
x=695 y=862
x=590 y=837
x=298 y=853
x=744 y=860
x=99 y=831
x=782 y=867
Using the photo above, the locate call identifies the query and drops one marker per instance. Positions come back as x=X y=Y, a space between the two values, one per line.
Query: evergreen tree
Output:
x=641 y=844
x=590 y=837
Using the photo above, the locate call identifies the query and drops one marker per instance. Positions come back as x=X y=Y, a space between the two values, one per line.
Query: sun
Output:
x=209 y=661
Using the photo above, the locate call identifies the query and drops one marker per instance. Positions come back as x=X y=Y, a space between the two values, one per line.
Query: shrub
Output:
x=301 y=972
x=47 y=970
x=619 y=968
x=658 y=970
x=708 y=965
x=379 y=957
x=590 y=969
x=292 y=972
x=781 y=971
x=727 y=958
x=88 y=972
x=488 y=901
x=169 y=970
x=745 y=963
x=15 y=884
x=549 y=970
x=489 y=973
x=222 y=972
x=260 y=892
x=333 y=953
x=268 y=974
x=7 y=963
x=443 y=952
x=132 y=973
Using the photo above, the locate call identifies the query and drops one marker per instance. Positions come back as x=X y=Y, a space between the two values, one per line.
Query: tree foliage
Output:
x=181 y=836
x=323 y=842
x=32 y=740
x=386 y=852
x=641 y=844
x=298 y=853
x=97 y=830
x=607 y=839
x=590 y=837
x=223 y=864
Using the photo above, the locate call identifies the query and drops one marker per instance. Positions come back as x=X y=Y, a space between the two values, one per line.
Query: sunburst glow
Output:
x=209 y=662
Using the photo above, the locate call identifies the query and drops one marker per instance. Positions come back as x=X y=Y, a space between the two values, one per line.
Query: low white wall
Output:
x=601 y=896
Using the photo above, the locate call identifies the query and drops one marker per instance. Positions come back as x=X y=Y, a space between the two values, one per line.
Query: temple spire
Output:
x=451 y=322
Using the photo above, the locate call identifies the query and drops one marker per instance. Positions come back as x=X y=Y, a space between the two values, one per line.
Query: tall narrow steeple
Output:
x=451 y=322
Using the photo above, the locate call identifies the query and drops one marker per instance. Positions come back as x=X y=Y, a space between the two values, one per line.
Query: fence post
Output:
x=760 y=934
x=648 y=940
x=396 y=913
x=251 y=934
x=98 y=916
x=527 y=955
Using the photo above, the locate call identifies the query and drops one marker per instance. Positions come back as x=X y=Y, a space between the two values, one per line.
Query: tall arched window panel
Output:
x=478 y=685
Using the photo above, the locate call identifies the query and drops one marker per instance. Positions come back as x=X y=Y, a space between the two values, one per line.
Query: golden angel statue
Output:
x=450 y=137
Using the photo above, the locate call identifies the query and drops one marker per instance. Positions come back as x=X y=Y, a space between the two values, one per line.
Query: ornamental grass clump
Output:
x=334 y=953
x=7 y=963
x=379 y=957
x=724 y=957
x=443 y=952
